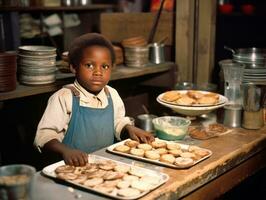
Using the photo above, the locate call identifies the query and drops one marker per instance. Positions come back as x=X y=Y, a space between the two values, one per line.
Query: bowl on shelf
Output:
x=171 y=127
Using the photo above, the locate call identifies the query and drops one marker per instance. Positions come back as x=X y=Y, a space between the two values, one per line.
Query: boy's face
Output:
x=94 y=70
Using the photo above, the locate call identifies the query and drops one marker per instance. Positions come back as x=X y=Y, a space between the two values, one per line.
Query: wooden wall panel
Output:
x=205 y=22
x=118 y=26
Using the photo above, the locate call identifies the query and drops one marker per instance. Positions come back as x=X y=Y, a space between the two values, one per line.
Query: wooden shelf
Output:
x=120 y=72
x=53 y=8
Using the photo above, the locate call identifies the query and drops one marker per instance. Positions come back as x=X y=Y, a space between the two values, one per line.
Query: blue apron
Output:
x=90 y=129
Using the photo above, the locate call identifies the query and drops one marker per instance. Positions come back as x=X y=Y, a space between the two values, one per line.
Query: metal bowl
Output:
x=16 y=181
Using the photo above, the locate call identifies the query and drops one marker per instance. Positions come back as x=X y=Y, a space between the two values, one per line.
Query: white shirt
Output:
x=55 y=120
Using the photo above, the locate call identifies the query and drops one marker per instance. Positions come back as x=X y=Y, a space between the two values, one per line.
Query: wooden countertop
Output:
x=237 y=154
x=120 y=72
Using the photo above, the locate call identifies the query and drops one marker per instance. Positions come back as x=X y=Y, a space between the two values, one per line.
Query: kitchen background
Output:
x=238 y=24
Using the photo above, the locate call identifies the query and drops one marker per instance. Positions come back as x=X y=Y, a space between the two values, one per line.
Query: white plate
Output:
x=257 y=70
x=50 y=172
x=191 y=111
x=183 y=147
x=222 y=99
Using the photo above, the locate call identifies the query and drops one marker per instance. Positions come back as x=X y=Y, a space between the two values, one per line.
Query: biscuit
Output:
x=93 y=182
x=185 y=100
x=144 y=146
x=97 y=174
x=137 y=152
x=122 y=168
x=67 y=176
x=104 y=188
x=188 y=155
x=183 y=162
x=158 y=144
x=131 y=143
x=123 y=184
x=207 y=100
x=175 y=152
x=171 y=146
x=110 y=175
x=107 y=165
x=167 y=158
x=111 y=183
x=64 y=169
x=195 y=94
x=192 y=148
x=151 y=154
x=137 y=172
x=213 y=95
x=127 y=192
x=81 y=179
x=141 y=185
x=201 y=152
x=161 y=151
x=171 y=96
x=122 y=148
x=130 y=178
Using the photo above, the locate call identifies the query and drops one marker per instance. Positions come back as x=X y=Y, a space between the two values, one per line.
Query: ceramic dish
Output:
x=191 y=110
x=160 y=177
x=221 y=100
x=184 y=148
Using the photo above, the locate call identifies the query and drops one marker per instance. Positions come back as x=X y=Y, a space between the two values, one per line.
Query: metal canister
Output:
x=252 y=105
x=156 y=53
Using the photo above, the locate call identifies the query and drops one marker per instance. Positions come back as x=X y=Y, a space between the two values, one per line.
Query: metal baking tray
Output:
x=50 y=172
x=184 y=147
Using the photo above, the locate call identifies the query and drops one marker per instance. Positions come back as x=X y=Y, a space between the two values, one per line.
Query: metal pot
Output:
x=251 y=57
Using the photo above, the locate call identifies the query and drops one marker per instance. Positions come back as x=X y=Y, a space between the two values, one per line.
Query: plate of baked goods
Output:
x=162 y=152
x=192 y=98
x=209 y=131
x=191 y=102
x=108 y=177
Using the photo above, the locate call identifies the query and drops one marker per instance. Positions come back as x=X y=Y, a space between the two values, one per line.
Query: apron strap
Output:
x=74 y=91
x=106 y=91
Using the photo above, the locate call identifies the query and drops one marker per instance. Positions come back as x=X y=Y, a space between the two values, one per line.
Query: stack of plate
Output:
x=37 y=65
x=255 y=75
x=8 y=67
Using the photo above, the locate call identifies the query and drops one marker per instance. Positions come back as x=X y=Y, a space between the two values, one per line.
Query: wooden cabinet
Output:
x=88 y=15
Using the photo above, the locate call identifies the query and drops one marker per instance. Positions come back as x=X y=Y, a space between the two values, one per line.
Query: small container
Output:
x=171 y=127
x=16 y=181
x=156 y=53
x=232 y=116
x=144 y=122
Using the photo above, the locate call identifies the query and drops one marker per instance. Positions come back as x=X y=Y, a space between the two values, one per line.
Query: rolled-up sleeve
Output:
x=55 y=119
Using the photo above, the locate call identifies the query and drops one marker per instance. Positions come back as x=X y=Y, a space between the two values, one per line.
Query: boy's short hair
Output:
x=84 y=41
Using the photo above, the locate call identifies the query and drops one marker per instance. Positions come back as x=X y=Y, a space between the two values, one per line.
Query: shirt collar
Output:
x=86 y=96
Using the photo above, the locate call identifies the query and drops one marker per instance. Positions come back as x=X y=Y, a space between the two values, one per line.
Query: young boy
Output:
x=83 y=117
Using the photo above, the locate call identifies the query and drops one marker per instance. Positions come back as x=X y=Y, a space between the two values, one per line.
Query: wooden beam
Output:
x=205 y=22
x=184 y=37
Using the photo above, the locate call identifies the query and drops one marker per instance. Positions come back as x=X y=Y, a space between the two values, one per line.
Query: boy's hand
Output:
x=139 y=134
x=75 y=157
